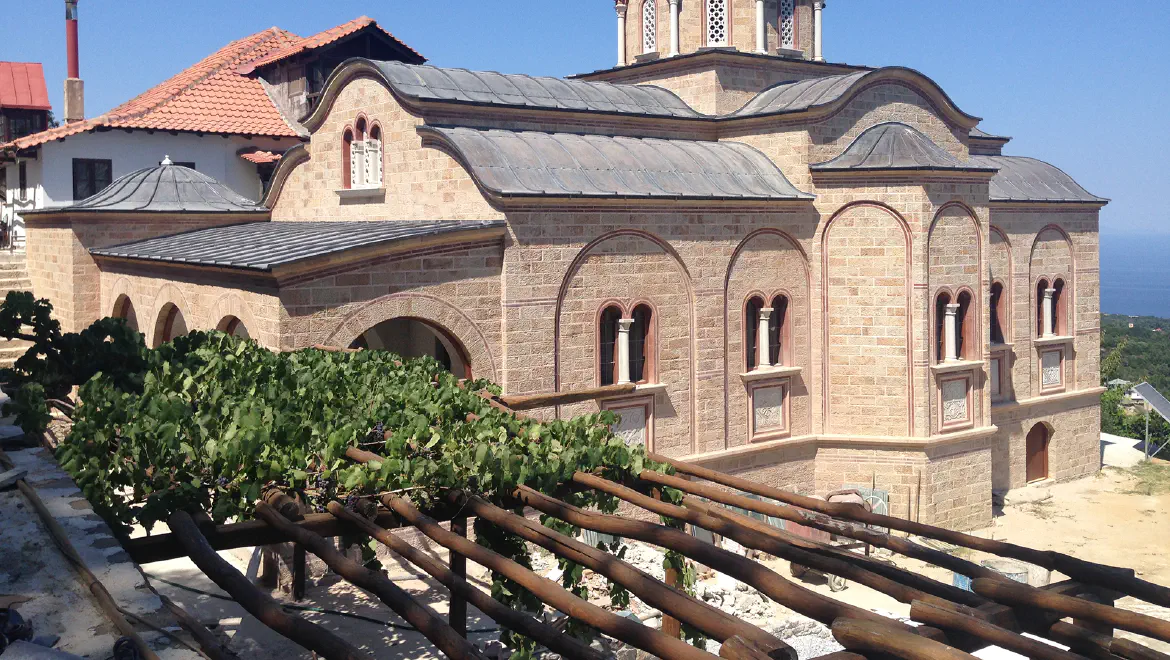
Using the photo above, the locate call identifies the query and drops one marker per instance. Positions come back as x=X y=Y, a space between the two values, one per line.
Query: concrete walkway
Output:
x=1120 y=452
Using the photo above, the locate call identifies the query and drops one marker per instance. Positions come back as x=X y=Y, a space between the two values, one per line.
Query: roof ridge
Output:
x=273 y=33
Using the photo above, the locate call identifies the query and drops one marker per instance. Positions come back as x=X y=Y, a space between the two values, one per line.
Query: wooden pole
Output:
x=443 y=636
x=1113 y=577
x=258 y=604
x=1094 y=645
x=879 y=637
x=620 y=628
x=670 y=625
x=712 y=621
x=1011 y=593
x=457 y=613
x=514 y=620
x=823 y=522
x=767 y=581
x=738 y=530
x=531 y=401
x=954 y=620
x=94 y=586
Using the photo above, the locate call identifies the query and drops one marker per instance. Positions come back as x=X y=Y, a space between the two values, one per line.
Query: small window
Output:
x=373 y=176
x=997 y=313
x=641 y=340
x=778 y=332
x=1041 y=287
x=649 y=26
x=91 y=176
x=22 y=180
x=787 y=24
x=940 y=324
x=751 y=347
x=964 y=335
x=3 y=185
x=607 y=344
x=717 y=22
x=347 y=159
x=1059 y=313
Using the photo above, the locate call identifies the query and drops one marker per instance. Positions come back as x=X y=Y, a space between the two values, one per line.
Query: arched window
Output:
x=718 y=23
x=170 y=324
x=778 y=336
x=642 y=345
x=1059 y=311
x=374 y=157
x=357 y=155
x=411 y=337
x=964 y=328
x=649 y=26
x=607 y=328
x=998 y=313
x=347 y=159
x=940 y=321
x=1041 y=287
x=787 y=24
x=751 y=348
x=233 y=326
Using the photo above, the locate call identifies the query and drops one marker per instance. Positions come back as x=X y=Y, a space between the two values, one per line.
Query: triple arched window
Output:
x=626 y=350
x=361 y=158
x=767 y=340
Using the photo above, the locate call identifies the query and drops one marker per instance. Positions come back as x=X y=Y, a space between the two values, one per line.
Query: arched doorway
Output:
x=411 y=337
x=170 y=324
x=124 y=309
x=1037 y=453
x=234 y=327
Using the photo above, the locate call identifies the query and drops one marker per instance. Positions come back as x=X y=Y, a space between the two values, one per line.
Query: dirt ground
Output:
x=1118 y=517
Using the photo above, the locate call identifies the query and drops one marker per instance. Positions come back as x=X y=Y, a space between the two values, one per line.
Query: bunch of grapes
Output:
x=324 y=489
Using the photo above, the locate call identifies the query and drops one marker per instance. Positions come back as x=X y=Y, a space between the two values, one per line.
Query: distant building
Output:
x=230 y=116
x=1119 y=382
x=24 y=110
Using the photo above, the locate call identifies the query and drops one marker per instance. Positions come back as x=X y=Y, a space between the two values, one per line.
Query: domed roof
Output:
x=167 y=188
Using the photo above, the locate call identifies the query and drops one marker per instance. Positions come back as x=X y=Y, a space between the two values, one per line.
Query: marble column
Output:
x=623 y=350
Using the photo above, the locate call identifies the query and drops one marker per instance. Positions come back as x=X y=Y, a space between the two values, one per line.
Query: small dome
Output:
x=167 y=188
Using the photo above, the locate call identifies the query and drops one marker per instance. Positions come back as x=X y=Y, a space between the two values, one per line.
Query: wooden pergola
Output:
x=952 y=621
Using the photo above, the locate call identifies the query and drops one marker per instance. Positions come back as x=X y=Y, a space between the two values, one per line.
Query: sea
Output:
x=1135 y=275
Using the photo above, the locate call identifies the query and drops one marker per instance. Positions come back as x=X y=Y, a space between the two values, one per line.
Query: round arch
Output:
x=438 y=315
x=124 y=309
x=169 y=324
x=231 y=306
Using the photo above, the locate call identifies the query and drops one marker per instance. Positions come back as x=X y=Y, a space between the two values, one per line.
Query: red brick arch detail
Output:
x=571 y=272
x=728 y=359
x=167 y=294
x=909 y=277
x=230 y=304
x=429 y=309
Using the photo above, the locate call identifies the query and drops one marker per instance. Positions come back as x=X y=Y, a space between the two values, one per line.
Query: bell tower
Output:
x=655 y=29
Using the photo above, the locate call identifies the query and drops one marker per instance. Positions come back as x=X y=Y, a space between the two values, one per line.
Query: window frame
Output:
x=999 y=305
x=781 y=18
x=727 y=9
x=1060 y=325
x=1041 y=286
x=649 y=26
x=601 y=326
x=965 y=325
x=90 y=165
x=346 y=158
x=940 y=320
x=22 y=180
x=647 y=341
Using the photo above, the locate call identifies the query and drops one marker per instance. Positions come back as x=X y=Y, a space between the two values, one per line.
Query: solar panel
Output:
x=1155 y=399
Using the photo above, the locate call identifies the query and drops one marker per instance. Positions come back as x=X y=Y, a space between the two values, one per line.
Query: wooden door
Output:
x=1037 y=450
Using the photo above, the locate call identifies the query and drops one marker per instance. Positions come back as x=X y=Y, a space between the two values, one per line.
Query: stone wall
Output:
x=1074 y=450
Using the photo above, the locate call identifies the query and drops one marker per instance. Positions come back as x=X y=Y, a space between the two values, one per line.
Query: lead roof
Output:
x=895 y=146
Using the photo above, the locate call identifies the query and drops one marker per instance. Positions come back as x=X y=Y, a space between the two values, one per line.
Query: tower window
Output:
x=787 y=23
x=607 y=344
x=649 y=26
x=717 y=22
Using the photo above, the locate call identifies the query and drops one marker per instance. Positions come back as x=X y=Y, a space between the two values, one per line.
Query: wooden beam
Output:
x=531 y=401
x=514 y=620
x=443 y=636
x=260 y=605
x=457 y=611
x=1112 y=577
x=1011 y=593
x=621 y=628
x=712 y=621
x=950 y=619
x=767 y=581
x=161 y=547
x=878 y=637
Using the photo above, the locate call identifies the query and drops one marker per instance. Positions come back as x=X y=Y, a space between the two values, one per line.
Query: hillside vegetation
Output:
x=1137 y=354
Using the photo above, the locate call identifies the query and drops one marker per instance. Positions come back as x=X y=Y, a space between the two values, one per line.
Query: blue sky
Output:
x=1080 y=83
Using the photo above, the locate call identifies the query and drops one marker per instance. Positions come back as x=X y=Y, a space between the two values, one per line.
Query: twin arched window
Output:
x=626 y=345
x=361 y=158
x=1055 y=322
x=956 y=311
x=778 y=337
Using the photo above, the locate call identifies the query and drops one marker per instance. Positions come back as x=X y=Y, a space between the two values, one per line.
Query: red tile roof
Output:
x=322 y=39
x=22 y=85
x=209 y=97
x=260 y=157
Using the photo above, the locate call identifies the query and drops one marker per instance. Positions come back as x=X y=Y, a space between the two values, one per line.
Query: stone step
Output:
x=15 y=283
x=7 y=266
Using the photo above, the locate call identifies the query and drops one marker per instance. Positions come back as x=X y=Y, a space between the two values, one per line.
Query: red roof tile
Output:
x=209 y=97
x=22 y=85
x=321 y=39
x=260 y=157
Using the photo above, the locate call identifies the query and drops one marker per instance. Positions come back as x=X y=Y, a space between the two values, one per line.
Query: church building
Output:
x=818 y=275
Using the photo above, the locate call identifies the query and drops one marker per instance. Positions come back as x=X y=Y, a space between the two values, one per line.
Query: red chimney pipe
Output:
x=71 y=37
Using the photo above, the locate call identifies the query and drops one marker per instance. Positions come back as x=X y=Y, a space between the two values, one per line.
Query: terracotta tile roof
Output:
x=260 y=157
x=322 y=39
x=22 y=85
x=209 y=97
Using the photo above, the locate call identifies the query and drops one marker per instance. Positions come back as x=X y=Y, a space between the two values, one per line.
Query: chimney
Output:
x=74 y=87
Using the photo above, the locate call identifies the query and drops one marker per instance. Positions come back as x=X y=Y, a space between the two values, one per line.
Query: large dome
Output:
x=167 y=188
